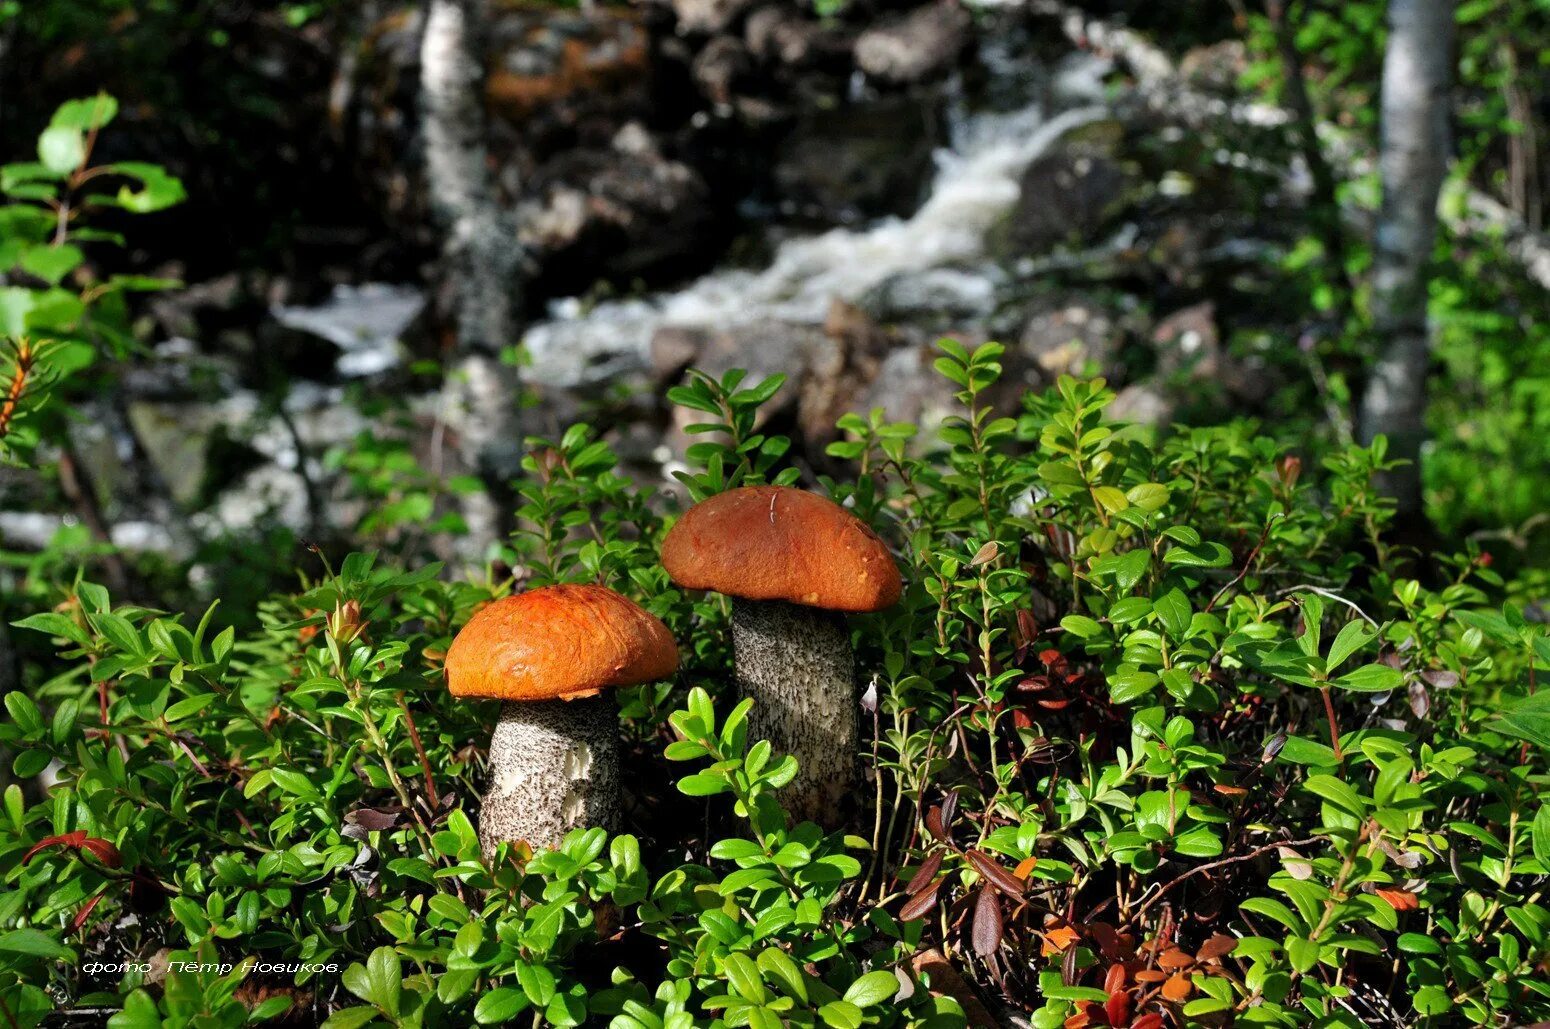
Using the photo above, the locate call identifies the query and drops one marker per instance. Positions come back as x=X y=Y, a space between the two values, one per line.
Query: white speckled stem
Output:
x=797 y=665
x=554 y=766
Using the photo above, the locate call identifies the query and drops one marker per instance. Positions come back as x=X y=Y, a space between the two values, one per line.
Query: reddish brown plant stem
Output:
x=1334 y=727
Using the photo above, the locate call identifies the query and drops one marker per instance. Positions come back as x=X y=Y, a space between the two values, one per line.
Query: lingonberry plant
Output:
x=1161 y=733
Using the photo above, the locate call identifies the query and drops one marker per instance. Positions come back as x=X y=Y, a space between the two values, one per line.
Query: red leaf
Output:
x=921 y=904
x=1118 y=1008
x=928 y=870
x=1219 y=945
x=103 y=851
x=935 y=824
x=1399 y=900
x=1148 y=1021
x=1027 y=625
x=1058 y=941
x=993 y=873
x=986 y=932
x=949 y=807
x=1178 y=988
x=1114 y=981
x=73 y=840
x=86 y=909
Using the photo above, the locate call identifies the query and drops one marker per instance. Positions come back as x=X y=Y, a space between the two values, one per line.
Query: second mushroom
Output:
x=794 y=564
x=549 y=654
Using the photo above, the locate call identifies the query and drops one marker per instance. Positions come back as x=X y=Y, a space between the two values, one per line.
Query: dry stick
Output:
x=1256 y=852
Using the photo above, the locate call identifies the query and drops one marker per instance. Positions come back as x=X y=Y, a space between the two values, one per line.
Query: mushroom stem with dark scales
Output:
x=794 y=563
x=554 y=765
x=549 y=654
x=796 y=662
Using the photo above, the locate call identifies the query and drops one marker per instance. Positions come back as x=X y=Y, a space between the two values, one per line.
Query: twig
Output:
x=1330 y=594
x=1208 y=866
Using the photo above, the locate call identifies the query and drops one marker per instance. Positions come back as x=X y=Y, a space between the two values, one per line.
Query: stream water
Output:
x=938 y=255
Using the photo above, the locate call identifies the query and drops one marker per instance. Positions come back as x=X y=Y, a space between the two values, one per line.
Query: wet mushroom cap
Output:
x=558 y=643
x=780 y=543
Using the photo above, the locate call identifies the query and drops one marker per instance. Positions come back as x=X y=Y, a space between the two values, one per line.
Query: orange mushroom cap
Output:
x=779 y=543
x=558 y=643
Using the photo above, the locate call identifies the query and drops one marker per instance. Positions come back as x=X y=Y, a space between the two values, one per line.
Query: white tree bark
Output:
x=482 y=256
x=1413 y=158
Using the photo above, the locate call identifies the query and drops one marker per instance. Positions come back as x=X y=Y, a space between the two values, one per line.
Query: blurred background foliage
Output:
x=202 y=418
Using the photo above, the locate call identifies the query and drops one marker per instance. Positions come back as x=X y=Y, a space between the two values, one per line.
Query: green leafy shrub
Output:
x=57 y=319
x=1159 y=734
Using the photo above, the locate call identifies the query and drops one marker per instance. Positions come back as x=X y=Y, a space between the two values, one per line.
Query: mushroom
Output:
x=549 y=654
x=792 y=562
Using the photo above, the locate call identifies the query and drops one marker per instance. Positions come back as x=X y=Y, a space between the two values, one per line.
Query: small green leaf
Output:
x=36 y=944
x=61 y=149
x=841 y=1014
x=1337 y=793
x=872 y=988
x=1527 y=718
x=501 y=1004
x=1353 y=637
x=1372 y=678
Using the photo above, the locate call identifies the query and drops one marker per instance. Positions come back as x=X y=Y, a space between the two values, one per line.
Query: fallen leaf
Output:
x=1057 y=940
x=1399 y=900
x=1219 y=945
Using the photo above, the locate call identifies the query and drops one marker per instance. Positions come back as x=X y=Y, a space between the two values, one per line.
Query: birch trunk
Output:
x=482 y=257
x=1413 y=157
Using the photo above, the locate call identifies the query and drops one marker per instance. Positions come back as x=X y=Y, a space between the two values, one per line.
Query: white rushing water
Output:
x=938 y=253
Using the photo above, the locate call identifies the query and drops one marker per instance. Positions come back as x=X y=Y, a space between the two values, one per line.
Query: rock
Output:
x=365 y=322
x=1188 y=343
x=858 y=161
x=707 y=17
x=620 y=213
x=779 y=35
x=920 y=45
x=1071 y=338
x=908 y=388
x=1073 y=192
x=720 y=68
x=545 y=61
x=1216 y=67
x=673 y=349
x=1142 y=405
